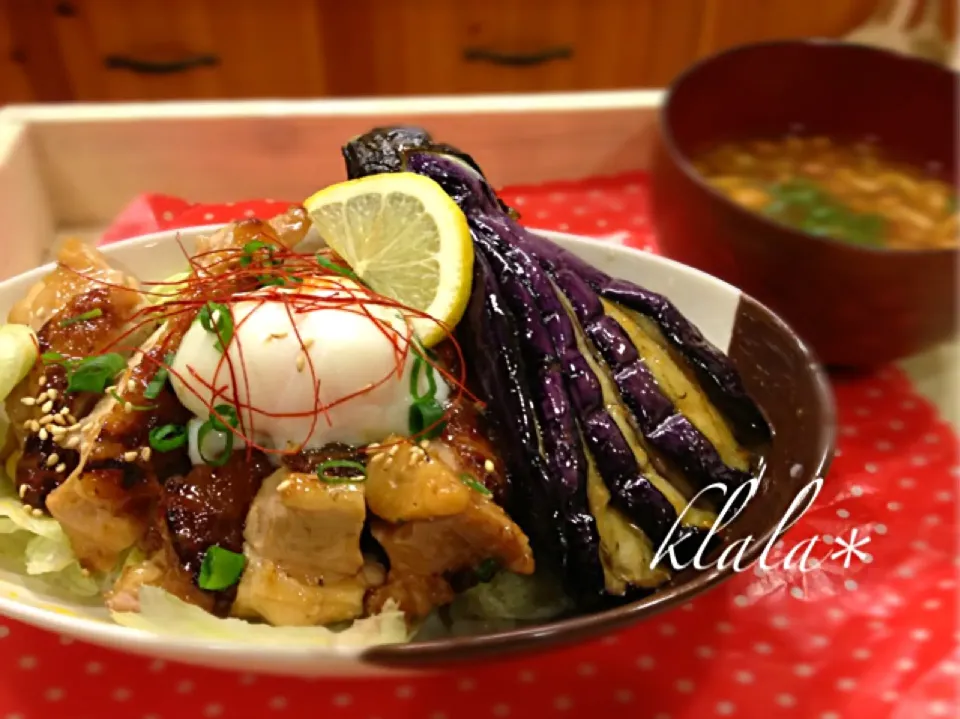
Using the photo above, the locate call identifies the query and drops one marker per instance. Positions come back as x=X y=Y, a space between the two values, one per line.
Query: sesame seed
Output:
x=111 y=389
x=53 y=459
x=47 y=406
x=71 y=420
x=277 y=335
x=28 y=509
x=373 y=445
x=24 y=488
x=131 y=385
x=308 y=343
x=73 y=442
x=64 y=411
x=43 y=434
x=52 y=393
x=488 y=465
x=28 y=425
x=283 y=486
x=56 y=430
x=42 y=397
x=29 y=401
x=393 y=450
x=145 y=454
x=84 y=571
x=301 y=361
x=60 y=468
x=130 y=456
x=127 y=407
x=58 y=418
x=37 y=512
x=424 y=443
x=34 y=426
x=42 y=380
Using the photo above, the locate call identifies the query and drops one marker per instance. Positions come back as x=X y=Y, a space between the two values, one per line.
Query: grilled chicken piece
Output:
x=104 y=512
x=464 y=444
x=217 y=249
x=209 y=506
x=44 y=388
x=303 y=546
x=205 y=506
x=269 y=593
x=432 y=524
x=63 y=335
x=105 y=505
x=161 y=568
x=80 y=268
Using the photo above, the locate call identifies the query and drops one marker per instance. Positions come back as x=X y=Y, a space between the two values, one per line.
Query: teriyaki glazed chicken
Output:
x=388 y=401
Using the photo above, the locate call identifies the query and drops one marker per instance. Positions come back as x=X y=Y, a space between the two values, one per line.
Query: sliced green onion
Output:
x=332 y=266
x=91 y=315
x=419 y=363
x=220 y=569
x=52 y=358
x=251 y=248
x=424 y=414
x=228 y=412
x=216 y=318
x=224 y=457
x=271 y=281
x=155 y=386
x=95 y=374
x=486 y=569
x=137 y=407
x=329 y=464
x=168 y=437
x=468 y=480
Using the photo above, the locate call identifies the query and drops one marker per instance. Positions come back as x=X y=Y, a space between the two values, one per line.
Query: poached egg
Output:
x=363 y=395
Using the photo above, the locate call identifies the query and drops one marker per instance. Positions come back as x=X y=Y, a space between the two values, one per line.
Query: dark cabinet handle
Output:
x=480 y=54
x=149 y=67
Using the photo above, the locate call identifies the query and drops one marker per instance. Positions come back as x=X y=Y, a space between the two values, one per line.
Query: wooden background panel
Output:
x=14 y=83
x=733 y=22
x=351 y=48
x=261 y=49
x=419 y=46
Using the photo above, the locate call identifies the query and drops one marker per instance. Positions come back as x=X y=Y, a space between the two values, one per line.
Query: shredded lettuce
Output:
x=163 y=613
x=38 y=547
x=535 y=597
x=18 y=352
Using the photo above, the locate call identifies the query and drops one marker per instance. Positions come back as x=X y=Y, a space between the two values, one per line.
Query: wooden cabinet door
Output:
x=438 y=46
x=189 y=49
x=14 y=83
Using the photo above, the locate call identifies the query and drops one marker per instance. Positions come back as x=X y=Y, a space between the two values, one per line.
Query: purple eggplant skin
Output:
x=715 y=372
x=563 y=454
x=534 y=297
x=489 y=335
x=666 y=430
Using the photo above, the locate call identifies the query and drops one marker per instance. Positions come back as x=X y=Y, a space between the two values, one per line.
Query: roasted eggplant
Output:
x=611 y=407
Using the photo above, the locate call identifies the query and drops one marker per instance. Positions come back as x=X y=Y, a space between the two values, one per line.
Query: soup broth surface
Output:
x=848 y=191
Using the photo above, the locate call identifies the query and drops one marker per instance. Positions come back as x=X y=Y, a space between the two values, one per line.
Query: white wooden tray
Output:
x=69 y=169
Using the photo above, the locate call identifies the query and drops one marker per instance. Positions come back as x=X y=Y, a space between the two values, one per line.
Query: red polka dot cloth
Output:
x=876 y=639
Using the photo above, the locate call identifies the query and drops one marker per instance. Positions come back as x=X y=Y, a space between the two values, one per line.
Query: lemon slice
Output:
x=406 y=239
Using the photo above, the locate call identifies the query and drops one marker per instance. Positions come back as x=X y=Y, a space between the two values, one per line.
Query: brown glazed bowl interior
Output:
x=782 y=376
x=855 y=306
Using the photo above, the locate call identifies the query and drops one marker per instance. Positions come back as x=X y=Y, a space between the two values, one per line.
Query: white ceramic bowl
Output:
x=714 y=306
